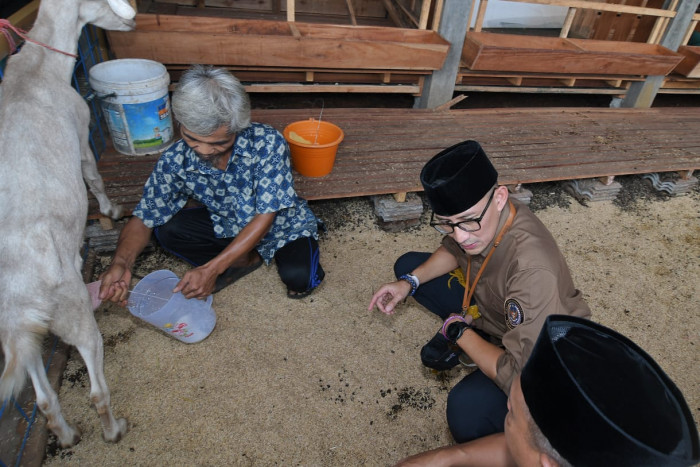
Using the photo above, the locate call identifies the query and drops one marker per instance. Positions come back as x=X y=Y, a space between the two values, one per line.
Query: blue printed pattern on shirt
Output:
x=257 y=180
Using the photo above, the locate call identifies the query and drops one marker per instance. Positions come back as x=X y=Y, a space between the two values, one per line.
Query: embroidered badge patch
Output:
x=514 y=313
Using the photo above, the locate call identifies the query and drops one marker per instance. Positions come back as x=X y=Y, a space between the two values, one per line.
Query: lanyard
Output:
x=469 y=291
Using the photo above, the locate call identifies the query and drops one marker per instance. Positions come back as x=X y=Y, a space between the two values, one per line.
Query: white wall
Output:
x=504 y=14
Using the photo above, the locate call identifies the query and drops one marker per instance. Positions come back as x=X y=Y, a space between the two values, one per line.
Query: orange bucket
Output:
x=313 y=145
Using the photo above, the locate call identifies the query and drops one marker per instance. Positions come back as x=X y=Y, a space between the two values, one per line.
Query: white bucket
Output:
x=153 y=300
x=135 y=101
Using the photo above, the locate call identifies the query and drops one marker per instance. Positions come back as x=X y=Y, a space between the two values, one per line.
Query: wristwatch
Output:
x=455 y=330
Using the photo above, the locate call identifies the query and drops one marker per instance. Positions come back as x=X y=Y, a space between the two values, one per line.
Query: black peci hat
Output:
x=601 y=400
x=457 y=178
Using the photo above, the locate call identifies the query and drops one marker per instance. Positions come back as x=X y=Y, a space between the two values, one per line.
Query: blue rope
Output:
x=315 y=258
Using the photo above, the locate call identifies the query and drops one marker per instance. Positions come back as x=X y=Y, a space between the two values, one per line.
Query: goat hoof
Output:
x=70 y=439
x=116 y=212
x=116 y=435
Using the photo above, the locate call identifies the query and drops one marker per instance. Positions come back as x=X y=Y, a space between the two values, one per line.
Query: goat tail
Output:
x=20 y=351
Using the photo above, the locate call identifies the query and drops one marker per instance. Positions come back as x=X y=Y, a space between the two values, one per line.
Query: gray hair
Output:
x=207 y=98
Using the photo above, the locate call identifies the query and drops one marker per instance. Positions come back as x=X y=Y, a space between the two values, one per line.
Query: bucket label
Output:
x=140 y=128
x=178 y=329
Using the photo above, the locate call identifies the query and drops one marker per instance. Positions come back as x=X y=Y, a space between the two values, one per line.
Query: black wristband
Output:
x=455 y=330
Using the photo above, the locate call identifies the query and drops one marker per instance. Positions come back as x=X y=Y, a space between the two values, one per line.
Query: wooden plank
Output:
x=383 y=154
x=511 y=52
x=690 y=65
x=174 y=39
x=333 y=88
x=601 y=6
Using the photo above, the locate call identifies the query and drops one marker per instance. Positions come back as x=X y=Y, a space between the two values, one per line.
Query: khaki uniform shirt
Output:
x=525 y=280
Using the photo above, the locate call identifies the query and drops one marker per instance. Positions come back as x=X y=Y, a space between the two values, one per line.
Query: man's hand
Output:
x=389 y=295
x=197 y=283
x=115 y=284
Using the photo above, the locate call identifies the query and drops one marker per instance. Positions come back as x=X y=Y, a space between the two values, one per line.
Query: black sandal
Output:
x=298 y=295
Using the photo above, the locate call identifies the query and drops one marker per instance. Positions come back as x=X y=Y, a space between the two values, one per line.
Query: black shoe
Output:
x=439 y=354
x=231 y=275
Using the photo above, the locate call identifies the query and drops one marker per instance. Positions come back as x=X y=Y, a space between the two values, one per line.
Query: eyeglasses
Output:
x=471 y=225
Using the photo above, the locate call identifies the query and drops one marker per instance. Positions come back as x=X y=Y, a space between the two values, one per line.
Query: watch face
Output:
x=453 y=332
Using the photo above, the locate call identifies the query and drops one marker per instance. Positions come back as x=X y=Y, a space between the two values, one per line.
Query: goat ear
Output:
x=122 y=8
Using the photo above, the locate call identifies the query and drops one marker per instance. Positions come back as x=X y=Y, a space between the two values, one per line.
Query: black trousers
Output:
x=189 y=235
x=476 y=406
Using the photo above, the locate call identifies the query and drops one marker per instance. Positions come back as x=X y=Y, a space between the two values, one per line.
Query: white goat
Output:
x=44 y=151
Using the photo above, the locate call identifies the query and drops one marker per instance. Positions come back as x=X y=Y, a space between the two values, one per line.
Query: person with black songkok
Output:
x=588 y=396
x=498 y=274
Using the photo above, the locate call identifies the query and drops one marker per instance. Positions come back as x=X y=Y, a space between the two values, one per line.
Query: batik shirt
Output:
x=257 y=180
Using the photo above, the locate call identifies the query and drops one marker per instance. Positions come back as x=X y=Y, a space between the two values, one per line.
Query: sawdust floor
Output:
x=323 y=381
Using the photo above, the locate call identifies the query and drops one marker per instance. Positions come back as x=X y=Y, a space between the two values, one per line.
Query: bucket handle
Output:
x=101 y=97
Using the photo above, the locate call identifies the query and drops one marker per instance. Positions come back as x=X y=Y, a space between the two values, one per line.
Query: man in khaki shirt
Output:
x=498 y=272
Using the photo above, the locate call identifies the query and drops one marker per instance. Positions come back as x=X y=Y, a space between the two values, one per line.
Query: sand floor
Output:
x=322 y=381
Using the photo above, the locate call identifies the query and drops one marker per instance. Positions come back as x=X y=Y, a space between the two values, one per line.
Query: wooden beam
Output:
x=568 y=82
x=567 y=22
x=424 y=13
x=334 y=88
x=601 y=6
x=480 y=13
x=409 y=14
x=351 y=11
x=689 y=32
x=450 y=103
x=393 y=14
x=290 y=11
x=437 y=14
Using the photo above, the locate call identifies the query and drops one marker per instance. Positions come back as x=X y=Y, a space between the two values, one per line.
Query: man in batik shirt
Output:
x=222 y=198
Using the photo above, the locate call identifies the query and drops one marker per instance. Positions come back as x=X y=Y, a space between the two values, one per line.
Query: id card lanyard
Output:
x=473 y=310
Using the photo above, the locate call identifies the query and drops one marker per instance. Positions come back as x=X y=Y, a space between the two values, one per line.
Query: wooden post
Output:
x=641 y=94
x=351 y=11
x=424 y=12
x=439 y=87
x=290 y=11
x=400 y=197
x=480 y=14
x=567 y=22
x=437 y=14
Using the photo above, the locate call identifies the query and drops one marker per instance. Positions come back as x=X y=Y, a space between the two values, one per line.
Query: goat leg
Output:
x=92 y=352
x=47 y=401
x=94 y=181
